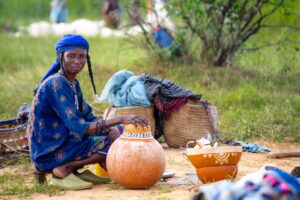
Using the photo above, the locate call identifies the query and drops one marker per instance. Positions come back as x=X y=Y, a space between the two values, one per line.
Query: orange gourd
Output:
x=136 y=159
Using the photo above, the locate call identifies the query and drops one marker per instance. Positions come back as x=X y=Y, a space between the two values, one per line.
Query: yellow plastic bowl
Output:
x=100 y=171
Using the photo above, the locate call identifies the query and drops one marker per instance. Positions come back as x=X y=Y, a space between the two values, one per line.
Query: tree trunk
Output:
x=223 y=59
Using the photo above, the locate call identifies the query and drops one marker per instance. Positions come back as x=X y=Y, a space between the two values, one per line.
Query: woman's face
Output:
x=74 y=60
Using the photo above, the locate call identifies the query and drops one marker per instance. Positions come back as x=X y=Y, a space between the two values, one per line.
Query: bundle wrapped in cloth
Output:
x=124 y=89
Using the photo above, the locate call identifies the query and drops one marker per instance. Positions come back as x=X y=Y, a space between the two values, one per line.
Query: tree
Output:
x=224 y=26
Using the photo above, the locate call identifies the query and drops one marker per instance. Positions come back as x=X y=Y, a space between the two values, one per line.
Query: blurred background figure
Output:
x=111 y=13
x=157 y=14
x=59 y=11
x=135 y=12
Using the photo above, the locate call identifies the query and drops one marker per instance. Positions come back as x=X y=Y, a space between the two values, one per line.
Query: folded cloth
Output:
x=71 y=182
x=167 y=96
x=88 y=176
x=171 y=106
x=124 y=89
x=166 y=89
x=252 y=147
x=248 y=147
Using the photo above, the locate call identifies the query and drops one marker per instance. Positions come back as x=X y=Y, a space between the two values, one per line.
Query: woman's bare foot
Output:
x=62 y=171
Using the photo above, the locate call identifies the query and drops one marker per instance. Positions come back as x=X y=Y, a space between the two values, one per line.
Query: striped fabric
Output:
x=166 y=89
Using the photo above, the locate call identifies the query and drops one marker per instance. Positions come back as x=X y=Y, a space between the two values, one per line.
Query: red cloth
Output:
x=169 y=106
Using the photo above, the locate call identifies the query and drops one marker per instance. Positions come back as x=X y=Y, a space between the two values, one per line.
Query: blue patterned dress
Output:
x=58 y=122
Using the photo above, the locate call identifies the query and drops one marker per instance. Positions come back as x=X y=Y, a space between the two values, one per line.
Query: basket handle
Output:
x=208 y=113
x=107 y=111
x=189 y=143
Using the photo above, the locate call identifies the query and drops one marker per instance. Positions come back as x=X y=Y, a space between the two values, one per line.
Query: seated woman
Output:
x=63 y=133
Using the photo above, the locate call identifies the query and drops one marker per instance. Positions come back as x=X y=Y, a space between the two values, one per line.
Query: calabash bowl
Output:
x=216 y=163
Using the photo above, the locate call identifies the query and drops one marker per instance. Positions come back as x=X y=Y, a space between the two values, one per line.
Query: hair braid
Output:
x=62 y=63
x=91 y=72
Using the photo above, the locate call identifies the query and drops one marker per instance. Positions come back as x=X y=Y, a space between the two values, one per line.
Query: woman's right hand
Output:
x=135 y=120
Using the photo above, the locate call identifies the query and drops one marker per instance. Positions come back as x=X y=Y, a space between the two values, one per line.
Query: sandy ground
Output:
x=250 y=162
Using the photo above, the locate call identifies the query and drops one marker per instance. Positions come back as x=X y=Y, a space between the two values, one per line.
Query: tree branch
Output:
x=226 y=8
x=257 y=24
x=297 y=28
x=271 y=44
x=258 y=5
x=145 y=32
x=285 y=40
x=189 y=24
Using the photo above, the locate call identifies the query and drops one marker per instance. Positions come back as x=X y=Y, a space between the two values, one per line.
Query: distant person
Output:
x=59 y=11
x=111 y=13
x=135 y=13
x=63 y=133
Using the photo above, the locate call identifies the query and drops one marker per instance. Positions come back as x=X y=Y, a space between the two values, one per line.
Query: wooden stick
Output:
x=199 y=144
x=277 y=155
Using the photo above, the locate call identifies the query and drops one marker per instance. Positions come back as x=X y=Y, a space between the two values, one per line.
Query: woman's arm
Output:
x=96 y=127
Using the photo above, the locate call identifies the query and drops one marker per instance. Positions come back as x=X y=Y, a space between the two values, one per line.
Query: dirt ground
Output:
x=250 y=162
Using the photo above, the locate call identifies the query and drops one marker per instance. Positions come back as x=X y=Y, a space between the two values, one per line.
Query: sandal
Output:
x=70 y=182
x=88 y=176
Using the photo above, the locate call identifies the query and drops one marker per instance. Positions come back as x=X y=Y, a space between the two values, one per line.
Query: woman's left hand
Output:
x=135 y=119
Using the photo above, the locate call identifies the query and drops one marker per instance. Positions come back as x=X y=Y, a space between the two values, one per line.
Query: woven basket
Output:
x=193 y=121
x=147 y=112
x=13 y=135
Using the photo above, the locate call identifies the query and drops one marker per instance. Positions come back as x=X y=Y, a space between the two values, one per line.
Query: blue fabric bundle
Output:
x=124 y=89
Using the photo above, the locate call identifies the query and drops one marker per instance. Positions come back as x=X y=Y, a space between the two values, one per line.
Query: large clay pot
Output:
x=136 y=159
x=214 y=164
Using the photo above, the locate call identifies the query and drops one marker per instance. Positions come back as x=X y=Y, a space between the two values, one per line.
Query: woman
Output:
x=64 y=135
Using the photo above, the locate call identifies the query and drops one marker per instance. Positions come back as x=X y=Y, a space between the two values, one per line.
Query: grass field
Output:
x=259 y=96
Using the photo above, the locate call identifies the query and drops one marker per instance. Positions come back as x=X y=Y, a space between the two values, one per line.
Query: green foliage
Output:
x=223 y=27
x=258 y=99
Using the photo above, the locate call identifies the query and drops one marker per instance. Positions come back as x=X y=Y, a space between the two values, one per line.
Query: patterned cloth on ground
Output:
x=269 y=183
x=252 y=147
x=247 y=147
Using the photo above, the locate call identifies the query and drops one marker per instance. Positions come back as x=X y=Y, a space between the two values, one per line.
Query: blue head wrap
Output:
x=67 y=42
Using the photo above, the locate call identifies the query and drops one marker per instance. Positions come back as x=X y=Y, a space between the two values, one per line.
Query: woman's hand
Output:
x=135 y=120
x=125 y=119
x=113 y=134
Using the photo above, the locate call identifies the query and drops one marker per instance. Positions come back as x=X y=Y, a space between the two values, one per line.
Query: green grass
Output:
x=256 y=97
x=20 y=182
